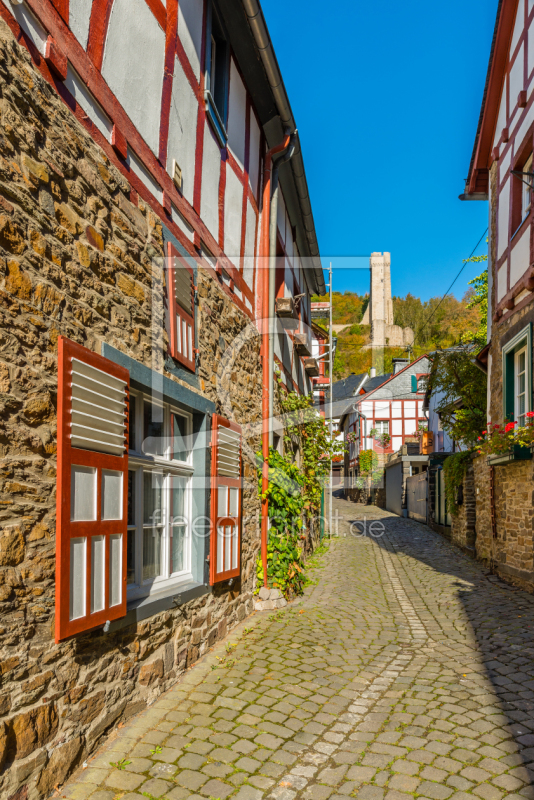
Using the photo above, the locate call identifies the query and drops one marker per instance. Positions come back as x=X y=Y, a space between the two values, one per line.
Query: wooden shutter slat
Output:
x=92 y=435
x=225 y=540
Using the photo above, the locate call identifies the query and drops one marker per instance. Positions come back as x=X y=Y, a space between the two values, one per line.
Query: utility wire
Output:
x=466 y=261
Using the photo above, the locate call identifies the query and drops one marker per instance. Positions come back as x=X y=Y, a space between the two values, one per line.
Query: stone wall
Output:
x=368 y=496
x=79 y=257
x=463 y=528
x=510 y=552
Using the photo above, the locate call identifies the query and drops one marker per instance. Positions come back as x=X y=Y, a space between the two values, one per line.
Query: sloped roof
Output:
x=374 y=383
x=348 y=386
x=478 y=177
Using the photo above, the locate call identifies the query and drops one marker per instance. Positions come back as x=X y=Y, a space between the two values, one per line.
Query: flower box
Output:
x=516 y=453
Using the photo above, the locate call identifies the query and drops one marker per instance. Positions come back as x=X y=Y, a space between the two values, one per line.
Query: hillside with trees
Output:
x=437 y=323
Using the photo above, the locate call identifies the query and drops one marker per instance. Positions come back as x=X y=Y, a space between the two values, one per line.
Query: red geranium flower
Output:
x=529 y=414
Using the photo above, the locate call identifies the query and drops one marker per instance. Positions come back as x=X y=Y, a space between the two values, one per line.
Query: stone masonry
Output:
x=81 y=256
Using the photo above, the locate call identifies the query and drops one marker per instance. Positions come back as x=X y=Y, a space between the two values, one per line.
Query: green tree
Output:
x=462 y=385
x=479 y=301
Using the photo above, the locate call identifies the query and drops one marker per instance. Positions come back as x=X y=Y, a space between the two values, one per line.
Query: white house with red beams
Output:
x=177 y=95
x=502 y=171
x=394 y=407
x=503 y=145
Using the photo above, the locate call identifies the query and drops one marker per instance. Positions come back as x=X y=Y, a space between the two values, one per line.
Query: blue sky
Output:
x=386 y=96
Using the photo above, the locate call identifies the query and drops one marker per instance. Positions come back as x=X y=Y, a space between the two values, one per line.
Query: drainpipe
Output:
x=272 y=270
x=264 y=263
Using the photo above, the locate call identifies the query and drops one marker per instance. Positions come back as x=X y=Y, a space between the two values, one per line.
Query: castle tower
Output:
x=380 y=308
x=379 y=312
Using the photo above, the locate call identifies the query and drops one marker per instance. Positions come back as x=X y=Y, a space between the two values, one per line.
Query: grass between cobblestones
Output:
x=403 y=673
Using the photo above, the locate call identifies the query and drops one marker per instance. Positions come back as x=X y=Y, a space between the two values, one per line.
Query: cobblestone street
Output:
x=406 y=670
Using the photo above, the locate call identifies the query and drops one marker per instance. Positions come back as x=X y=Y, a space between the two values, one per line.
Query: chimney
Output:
x=399 y=363
x=372 y=372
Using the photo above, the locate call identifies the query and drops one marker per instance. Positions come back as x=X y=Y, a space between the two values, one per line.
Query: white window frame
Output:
x=379 y=426
x=517 y=386
x=140 y=463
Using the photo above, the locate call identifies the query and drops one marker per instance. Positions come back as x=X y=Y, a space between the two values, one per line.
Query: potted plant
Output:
x=511 y=442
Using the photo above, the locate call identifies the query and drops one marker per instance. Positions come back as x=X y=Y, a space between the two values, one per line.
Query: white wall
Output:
x=250 y=243
x=503 y=219
x=233 y=212
x=79 y=17
x=190 y=17
x=211 y=169
x=182 y=130
x=133 y=64
x=520 y=258
x=237 y=109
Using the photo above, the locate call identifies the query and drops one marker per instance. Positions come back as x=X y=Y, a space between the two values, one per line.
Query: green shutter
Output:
x=414 y=383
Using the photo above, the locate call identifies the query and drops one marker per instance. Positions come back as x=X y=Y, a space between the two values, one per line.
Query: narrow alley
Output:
x=406 y=670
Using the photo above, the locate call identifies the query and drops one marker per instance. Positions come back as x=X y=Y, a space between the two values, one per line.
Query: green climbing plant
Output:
x=307 y=429
x=454 y=470
x=368 y=462
x=285 y=492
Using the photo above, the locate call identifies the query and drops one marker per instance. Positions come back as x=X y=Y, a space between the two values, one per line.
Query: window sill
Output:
x=517 y=453
x=141 y=608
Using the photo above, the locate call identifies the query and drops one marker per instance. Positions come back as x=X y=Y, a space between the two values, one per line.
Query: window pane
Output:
x=222 y=502
x=131 y=431
x=190 y=341
x=130 y=557
x=111 y=494
x=115 y=569
x=178 y=548
x=228 y=548
x=178 y=334
x=77 y=578
x=153 y=429
x=177 y=500
x=83 y=494
x=179 y=433
x=98 y=571
x=234 y=548
x=131 y=497
x=234 y=496
x=184 y=339
x=220 y=548
x=151 y=553
x=152 y=496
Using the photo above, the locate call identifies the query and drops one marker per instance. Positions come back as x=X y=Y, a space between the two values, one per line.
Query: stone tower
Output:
x=379 y=312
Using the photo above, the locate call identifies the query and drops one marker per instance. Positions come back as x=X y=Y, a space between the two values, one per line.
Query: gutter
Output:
x=263 y=42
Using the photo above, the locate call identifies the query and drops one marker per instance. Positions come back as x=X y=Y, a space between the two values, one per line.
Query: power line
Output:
x=466 y=261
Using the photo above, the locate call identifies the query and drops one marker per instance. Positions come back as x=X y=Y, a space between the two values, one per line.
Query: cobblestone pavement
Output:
x=405 y=671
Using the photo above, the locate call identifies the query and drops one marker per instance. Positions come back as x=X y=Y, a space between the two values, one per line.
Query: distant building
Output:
x=379 y=311
x=392 y=406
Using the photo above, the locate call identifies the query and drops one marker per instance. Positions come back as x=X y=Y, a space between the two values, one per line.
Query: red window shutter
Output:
x=92 y=490
x=181 y=291
x=225 y=541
